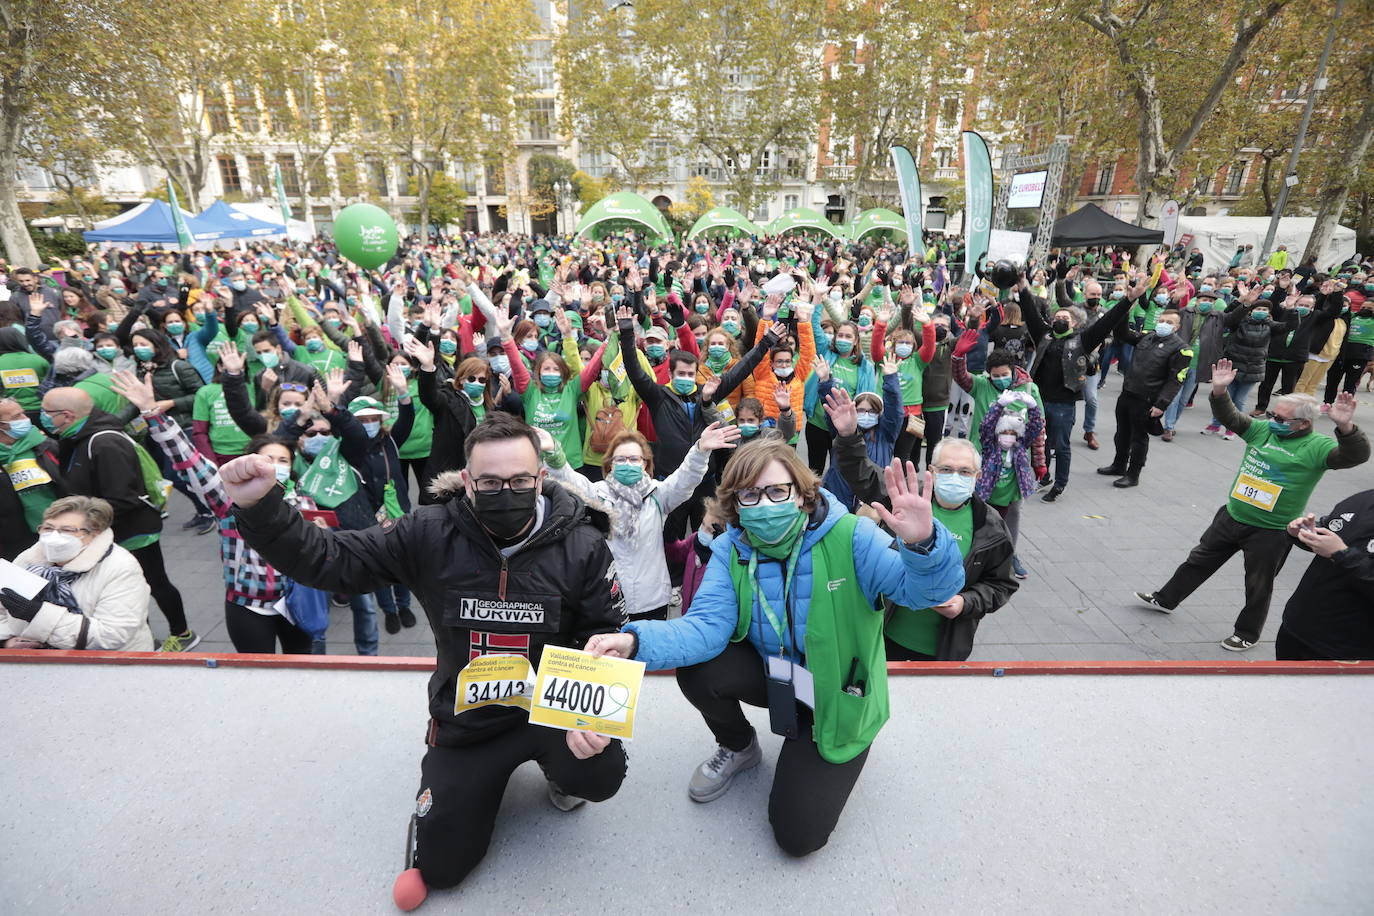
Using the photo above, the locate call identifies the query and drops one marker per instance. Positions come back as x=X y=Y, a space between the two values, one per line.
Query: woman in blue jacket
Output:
x=812 y=652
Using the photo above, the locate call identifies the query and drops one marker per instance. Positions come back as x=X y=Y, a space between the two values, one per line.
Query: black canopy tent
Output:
x=1091 y=225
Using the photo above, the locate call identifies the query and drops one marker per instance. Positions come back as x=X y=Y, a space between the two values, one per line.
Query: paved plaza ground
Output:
x=1086 y=554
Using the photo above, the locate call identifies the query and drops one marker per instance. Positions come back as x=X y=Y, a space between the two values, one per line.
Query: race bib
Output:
x=19 y=378
x=26 y=473
x=494 y=680
x=578 y=692
x=1255 y=492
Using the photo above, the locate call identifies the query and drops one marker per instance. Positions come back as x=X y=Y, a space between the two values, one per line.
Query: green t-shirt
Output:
x=1361 y=330
x=99 y=387
x=911 y=373
x=323 y=361
x=20 y=373
x=985 y=393
x=421 y=438
x=1006 y=491
x=225 y=436
x=1276 y=476
x=919 y=630
x=556 y=413
x=844 y=373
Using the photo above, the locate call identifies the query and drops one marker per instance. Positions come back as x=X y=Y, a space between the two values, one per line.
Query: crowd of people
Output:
x=773 y=465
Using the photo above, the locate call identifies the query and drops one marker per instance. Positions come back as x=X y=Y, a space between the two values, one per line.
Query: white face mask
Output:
x=59 y=547
x=1006 y=440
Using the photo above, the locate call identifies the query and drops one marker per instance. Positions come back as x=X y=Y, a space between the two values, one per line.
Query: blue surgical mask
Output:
x=1162 y=299
x=371 y=427
x=903 y=350
x=867 y=419
x=542 y=319
x=656 y=351
x=311 y=445
x=1260 y=314
x=1000 y=382
x=1205 y=288
x=529 y=345
x=769 y=523
x=1281 y=428
x=314 y=345
x=731 y=327
x=250 y=326
x=474 y=390
x=500 y=363
x=953 y=489
x=448 y=347
x=1163 y=329
x=283 y=472
x=705 y=536
x=143 y=354
x=18 y=429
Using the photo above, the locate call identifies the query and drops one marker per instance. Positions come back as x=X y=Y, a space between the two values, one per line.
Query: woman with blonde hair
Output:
x=787 y=616
x=96 y=596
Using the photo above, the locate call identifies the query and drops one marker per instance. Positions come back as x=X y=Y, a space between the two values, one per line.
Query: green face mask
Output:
x=656 y=351
x=717 y=353
x=550 y=380
x=143 y=354
x=269 y=359
x=107 y=353
x=474 y=390
x=628 y=474
x=250 y=326
x=1001 y=383
x=748 y=430
x=448 y=347
x=175 y=328
x=684 y=385
x=771 y=524
x=730 y=327
x=314 y=345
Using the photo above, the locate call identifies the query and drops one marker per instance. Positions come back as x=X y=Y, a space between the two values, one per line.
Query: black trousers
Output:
x=416 y=466
x=1344 y=375
x=164 y=592
x=896 y=652
x=809 y=792
x=1286 y=374
x=253 y=632
x=461 y=790
x=818 y=442
x=1265 y=550
x=1132 y=439
x=1288 y=648
x=935 y=429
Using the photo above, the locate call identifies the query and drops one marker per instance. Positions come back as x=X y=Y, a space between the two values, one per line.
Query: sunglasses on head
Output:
x=294 y=386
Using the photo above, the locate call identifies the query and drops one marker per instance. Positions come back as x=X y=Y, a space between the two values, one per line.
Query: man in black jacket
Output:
x=1059 y=368
x=98 y=459
x=508 y=564
x=32 y=478
x=1331 y=613
x=278 y=367
x=1158 y=368
x=944 y=633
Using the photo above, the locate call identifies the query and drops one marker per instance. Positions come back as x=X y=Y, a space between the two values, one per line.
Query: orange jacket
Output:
x=765 y=382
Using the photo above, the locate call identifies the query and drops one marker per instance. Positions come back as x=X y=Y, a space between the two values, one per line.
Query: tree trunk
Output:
x=422 y=184
x=14 y=233
x=1345 y=168
x=1264 y=185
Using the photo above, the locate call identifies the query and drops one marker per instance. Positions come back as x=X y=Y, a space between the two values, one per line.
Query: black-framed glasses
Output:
x=294 y=386
x=72 y=532
x=520 y=483
x=473 y=378
x=1269 y=414
x=775 y=493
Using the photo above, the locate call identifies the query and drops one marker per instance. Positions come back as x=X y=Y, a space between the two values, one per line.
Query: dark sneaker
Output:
x=1126 y=480
x=1149 y=600
x=194 y=523
x=564 y=802
x=407 y=617
x=1017 y=569
x=207 y=524
x=1111 y=470
x=393 y=623
x=338 y=599
x=712 y=779
x=180 y=643
x=1052 y=495
x=1234 y=643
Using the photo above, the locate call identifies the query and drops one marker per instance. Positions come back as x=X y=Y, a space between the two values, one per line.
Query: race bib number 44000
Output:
x=494 y=680
x=578 y=692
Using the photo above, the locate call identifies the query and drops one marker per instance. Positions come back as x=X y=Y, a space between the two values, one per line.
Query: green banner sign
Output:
x=178 y=221
x=329 y=480
x=909 y=186
x=977 y=199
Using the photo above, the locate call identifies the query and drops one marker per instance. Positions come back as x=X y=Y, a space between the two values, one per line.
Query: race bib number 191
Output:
x=1258 y=493
x=578 y=692
x=494 y=680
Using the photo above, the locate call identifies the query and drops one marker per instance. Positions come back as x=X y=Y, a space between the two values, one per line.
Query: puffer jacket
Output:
x=1247 y=345
x=908 y=577
x=178 y=382
x=557 y=588
x=111 y=593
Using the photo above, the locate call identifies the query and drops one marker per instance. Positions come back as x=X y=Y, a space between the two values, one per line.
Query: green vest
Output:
x=841 y=626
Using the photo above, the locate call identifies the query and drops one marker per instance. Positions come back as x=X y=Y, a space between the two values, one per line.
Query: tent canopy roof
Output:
x=1091 y=225
x=801 y=218
x=235 y=224
x=724 y=220
x=150 y=222
x=623 y=209
x=878 y=219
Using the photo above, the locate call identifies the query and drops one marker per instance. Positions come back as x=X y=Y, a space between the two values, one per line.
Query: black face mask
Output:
x=505 y=513
x=1059 y=326
x=1093 y=302
x=941 y=332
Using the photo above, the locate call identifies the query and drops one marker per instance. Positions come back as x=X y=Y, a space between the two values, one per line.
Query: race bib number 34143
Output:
x=494 y=680
x=576 y=691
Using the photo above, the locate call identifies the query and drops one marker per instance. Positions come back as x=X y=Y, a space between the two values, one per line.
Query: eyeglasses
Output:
x=962 y=472
x=627 y=459
x=316 y=434
x=520 y=483
x=72 y=532
x=1269 y=414
x=473 y=378
x=294 y=386
x=776 y=493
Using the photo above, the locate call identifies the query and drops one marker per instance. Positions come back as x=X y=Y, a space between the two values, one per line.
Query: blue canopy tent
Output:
x=151 y=223
x=235 y=224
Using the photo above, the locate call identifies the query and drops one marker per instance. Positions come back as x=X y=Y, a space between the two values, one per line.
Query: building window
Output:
x=290 y=178
x=765 y=166
x=761 y=213
x=794 y=167
x=335 y=94
x=346 y=172
x=949 y=112
x=541 y=119
x=246 y=107
x=1235 y=177
x=257 y=173
x=319 y=178
x=544 y=10
x=1103 y=184
x=791 y=202
x=217 y=112
x=541 y=64
x=943 y=155
x=496 y=179
x=229 y=174
x=376 y=173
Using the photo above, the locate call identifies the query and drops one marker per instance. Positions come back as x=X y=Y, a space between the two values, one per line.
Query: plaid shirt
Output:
x=248 y=579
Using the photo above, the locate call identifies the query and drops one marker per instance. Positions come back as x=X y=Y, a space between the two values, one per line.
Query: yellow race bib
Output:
x=494 y=680
x=25 y=473
x=1255 y=492
x=19 y=378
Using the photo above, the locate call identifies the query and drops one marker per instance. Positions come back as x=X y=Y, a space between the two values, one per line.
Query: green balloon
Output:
x=365 y=235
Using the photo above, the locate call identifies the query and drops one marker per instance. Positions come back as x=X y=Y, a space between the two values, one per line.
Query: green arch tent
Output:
x=800 y=220
x=878 y=220
x=723 y=221
x=623 y=210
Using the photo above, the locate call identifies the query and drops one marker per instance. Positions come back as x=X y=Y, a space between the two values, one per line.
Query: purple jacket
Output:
x=683 y=555
x=1020 y=458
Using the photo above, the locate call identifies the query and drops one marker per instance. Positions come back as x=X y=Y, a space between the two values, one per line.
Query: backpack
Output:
x=154 y=486
x=606 y=425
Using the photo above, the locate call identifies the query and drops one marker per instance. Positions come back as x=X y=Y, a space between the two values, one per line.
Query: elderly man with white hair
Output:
x=1284 y=459
x=942 y=633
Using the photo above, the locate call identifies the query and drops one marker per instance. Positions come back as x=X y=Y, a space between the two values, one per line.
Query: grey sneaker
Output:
x=180 y=643
x=564 y=802
x=712 y=779
x=1235 y=644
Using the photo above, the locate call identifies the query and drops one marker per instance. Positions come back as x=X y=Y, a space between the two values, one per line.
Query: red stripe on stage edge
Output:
x=426 y=664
